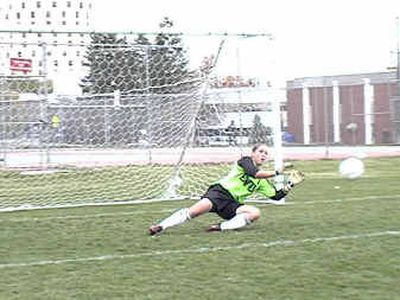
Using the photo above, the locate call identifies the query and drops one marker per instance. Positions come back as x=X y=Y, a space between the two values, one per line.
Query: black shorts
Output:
x=223 y=203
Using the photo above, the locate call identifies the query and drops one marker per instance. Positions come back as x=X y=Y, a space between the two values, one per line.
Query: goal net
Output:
x=115 y=118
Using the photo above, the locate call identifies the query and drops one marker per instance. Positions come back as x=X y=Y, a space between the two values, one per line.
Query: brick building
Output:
x=357 y=109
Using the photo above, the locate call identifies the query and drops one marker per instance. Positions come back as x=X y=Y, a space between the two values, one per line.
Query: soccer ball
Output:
x=351 y=168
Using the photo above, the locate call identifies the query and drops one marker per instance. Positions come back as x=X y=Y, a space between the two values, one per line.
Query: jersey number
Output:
x=248 y=183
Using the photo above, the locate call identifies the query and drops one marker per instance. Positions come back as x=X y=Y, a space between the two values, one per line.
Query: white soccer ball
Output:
x=351 y=168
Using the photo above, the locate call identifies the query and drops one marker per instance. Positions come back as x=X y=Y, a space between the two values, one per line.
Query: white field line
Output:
x=202 y=249
x=103 y=215
x=377 y=197
x=139 y=212
x=29 y=207
x=376 y=174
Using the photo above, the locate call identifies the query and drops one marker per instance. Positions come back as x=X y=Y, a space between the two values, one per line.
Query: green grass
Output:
x=111 y=184
x=335 y=239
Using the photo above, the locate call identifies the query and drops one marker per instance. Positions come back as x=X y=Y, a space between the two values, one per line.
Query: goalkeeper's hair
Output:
x=256 y=146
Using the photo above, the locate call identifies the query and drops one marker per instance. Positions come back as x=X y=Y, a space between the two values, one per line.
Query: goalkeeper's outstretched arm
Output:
x=269 y=174
x=265 y=174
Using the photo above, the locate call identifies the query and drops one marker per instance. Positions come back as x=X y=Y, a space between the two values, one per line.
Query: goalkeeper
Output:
x=226 y=197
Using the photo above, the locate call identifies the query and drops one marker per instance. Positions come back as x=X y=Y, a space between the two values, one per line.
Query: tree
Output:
x=168 y=61
x=103 y=60
x=114 y=63
x=155 y=66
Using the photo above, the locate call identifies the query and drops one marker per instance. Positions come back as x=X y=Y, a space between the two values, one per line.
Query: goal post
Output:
x=149 y=116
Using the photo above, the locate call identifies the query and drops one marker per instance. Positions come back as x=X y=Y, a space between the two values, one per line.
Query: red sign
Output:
x=21 y=64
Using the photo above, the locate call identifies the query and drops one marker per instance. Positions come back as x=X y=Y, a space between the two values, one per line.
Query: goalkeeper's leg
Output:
x=182 y=215
x=245 y=215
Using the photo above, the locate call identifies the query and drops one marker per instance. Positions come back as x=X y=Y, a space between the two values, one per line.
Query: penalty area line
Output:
x=136 y=212
x=202 y=249
x=339 y=200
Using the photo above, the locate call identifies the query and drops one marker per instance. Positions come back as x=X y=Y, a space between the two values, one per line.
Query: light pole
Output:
x=396 y=99
x=398 y=56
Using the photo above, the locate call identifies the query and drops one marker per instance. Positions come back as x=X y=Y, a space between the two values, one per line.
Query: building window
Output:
x=48 y=14
x=70 y=63
x=38 y=4
x=18 y=15
x=80 y=5
x=68 y=3
x=32 y=14
x=23 y=4
x=64 y=23
x=56 y=63
x=64 y=14
x=77 y=14
x=54 y=4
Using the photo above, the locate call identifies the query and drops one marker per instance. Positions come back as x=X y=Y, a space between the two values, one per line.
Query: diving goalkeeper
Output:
x=226 y=197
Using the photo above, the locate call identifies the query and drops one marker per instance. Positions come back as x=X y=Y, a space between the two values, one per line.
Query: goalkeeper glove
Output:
x=288 y=187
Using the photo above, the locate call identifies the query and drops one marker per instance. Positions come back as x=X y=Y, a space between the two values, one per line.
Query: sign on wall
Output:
x=21 y=64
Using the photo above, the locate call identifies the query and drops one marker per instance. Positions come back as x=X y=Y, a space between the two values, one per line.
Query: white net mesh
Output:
x=156 y=117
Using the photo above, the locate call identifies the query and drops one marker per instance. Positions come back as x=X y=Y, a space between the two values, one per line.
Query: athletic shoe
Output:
x=154 y=229
x=215 y=227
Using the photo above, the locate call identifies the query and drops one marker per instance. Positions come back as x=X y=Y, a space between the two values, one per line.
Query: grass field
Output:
x=334 y=239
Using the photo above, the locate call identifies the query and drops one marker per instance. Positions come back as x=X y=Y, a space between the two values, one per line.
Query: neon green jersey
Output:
x=240 y=184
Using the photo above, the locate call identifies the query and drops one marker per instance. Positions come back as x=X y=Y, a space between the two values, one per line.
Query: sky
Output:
x=310 y=37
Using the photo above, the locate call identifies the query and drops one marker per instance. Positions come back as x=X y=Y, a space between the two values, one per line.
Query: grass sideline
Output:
x=335 y=239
